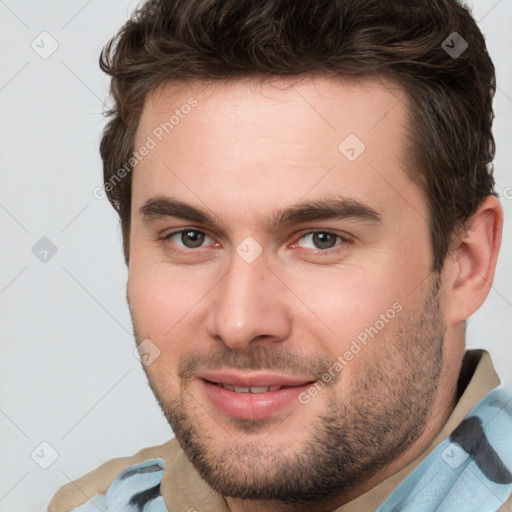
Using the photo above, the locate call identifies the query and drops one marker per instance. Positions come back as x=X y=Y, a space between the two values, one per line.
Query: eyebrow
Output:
x=320 y=209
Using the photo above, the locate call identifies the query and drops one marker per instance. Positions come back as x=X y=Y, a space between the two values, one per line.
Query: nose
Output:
x=248 y=306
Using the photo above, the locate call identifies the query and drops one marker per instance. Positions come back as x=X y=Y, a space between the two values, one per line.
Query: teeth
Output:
x=259 y=389
x=240 y=390
x=253 y=389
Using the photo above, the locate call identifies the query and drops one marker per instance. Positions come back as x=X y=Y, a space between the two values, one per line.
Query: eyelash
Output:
x=328 y=251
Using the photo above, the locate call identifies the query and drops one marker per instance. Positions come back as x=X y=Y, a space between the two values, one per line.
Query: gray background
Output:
x=68 y=376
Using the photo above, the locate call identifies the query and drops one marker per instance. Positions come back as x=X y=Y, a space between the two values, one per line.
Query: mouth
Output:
x=252 y=396
x=252 y=389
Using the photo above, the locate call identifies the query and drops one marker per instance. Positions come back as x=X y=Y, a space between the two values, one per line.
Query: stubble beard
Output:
x=362 y=430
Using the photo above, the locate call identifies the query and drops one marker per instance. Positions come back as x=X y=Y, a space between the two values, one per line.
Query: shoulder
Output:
x=98 y=481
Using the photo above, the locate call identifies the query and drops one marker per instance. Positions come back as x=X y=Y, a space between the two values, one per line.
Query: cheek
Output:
x=161 y=302
x=345 y=302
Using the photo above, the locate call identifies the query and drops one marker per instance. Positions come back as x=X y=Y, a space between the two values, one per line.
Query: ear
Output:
x=471 y=263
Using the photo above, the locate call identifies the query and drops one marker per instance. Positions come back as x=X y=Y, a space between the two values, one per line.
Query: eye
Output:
x=322 y=240
x=189 y=238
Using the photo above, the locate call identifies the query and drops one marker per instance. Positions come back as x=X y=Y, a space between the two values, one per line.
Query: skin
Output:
x=243 y=152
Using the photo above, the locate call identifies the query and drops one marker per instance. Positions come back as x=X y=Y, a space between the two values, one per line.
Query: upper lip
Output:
x=254 y=379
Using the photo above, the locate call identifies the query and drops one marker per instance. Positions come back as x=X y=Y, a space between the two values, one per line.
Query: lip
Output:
x=252 y=406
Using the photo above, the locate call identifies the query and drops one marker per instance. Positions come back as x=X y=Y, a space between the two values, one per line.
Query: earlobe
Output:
x=472 y=264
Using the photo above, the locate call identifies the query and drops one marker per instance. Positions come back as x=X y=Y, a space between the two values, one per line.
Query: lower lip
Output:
x=251 y=406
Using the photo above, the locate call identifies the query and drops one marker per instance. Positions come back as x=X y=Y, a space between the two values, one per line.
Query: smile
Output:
x=252 y=396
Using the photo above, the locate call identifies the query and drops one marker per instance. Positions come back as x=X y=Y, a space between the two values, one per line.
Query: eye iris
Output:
x=324 y=240
x=192 y=239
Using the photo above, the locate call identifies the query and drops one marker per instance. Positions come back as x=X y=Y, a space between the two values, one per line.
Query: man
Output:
x=306 y=196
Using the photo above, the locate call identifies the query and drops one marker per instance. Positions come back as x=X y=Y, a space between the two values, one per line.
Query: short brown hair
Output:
x=451 y=142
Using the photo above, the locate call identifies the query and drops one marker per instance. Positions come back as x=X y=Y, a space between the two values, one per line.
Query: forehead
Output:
x=334 y=104
x=278 y=139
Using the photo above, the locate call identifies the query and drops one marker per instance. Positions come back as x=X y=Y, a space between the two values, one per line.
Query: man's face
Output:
x=340 y=313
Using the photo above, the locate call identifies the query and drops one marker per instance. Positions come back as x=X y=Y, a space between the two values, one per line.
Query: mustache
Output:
x=257 y=358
